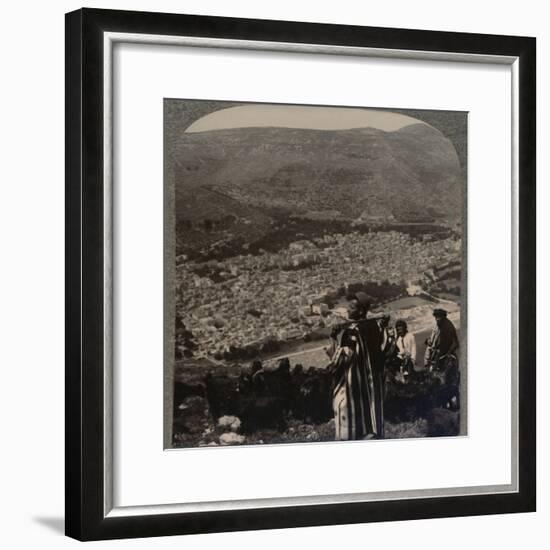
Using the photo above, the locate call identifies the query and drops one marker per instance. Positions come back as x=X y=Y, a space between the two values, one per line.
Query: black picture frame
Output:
x=85 y=401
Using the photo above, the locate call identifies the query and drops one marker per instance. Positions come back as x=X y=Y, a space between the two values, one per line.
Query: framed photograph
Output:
x=300 y=274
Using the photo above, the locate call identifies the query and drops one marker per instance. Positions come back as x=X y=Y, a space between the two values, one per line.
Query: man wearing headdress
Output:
x=357 y=365
x=443 y=344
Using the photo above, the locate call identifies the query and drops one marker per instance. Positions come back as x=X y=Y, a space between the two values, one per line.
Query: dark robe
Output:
x=448 y=339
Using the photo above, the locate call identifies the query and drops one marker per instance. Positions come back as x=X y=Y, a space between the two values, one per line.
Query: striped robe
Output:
x=357 y=389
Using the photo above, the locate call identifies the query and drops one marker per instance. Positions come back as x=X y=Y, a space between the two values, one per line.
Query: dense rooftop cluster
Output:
x=281 y=296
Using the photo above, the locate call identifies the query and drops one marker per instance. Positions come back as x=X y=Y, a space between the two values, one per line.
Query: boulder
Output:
x=231 y=438
x=230 y=421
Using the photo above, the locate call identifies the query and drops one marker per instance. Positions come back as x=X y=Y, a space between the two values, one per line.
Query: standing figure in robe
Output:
x=357 y=368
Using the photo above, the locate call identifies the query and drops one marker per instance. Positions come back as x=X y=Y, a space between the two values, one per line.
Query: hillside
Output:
x=412 y=174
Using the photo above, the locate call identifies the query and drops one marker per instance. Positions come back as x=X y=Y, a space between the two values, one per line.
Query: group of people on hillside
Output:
x=363 y=349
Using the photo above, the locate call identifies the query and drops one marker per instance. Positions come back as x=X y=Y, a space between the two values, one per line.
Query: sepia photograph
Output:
x=284 y=239
x=314 y=266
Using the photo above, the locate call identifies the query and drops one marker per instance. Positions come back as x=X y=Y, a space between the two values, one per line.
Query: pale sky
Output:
x=298 y=116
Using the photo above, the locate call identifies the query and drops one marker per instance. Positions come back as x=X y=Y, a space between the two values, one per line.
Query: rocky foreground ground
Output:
x=426 y=406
